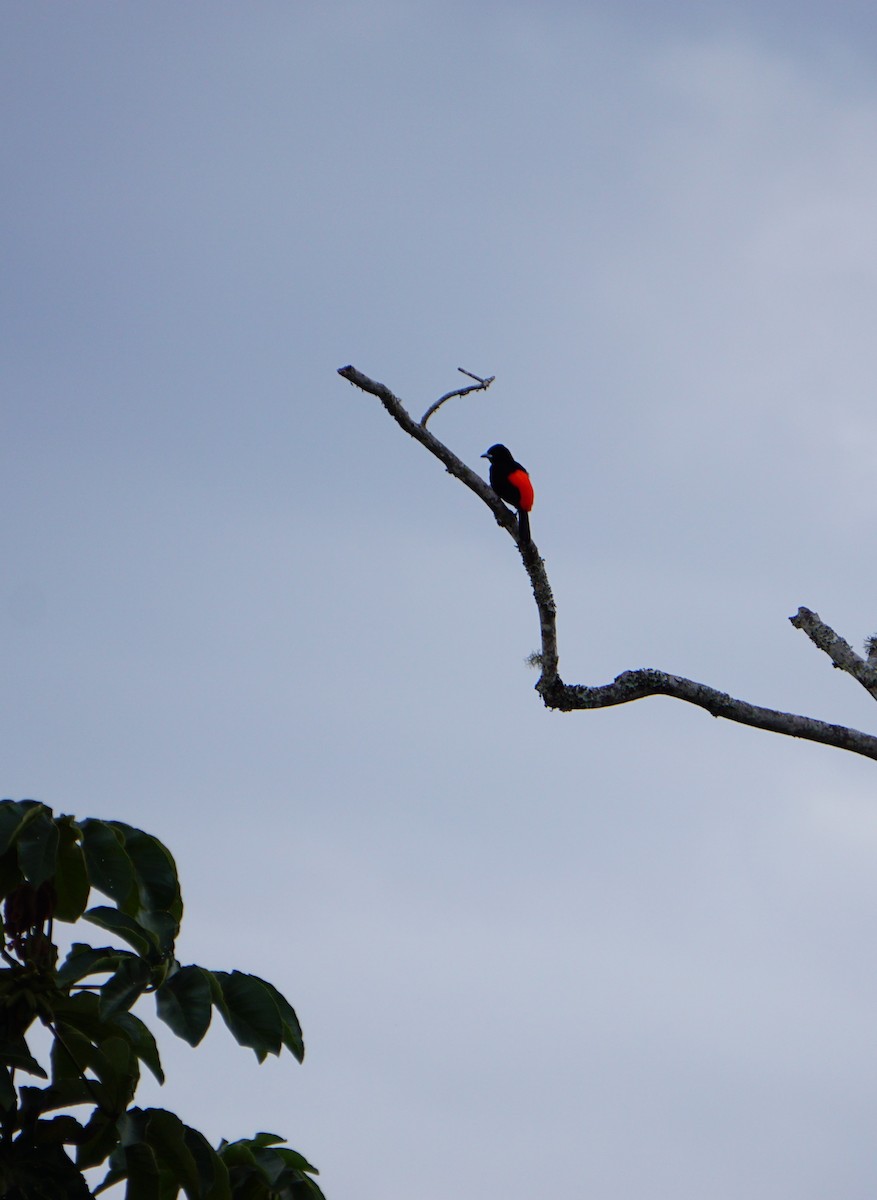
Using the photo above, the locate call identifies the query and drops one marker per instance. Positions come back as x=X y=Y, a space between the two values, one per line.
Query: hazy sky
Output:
x=617 y=955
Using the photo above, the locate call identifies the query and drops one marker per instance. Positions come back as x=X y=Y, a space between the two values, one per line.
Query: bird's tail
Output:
x=523 y=527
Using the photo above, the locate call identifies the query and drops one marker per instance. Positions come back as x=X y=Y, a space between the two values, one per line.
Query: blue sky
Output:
x=615 y=954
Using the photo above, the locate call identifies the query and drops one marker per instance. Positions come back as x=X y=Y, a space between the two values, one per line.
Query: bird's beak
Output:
x=485 y=456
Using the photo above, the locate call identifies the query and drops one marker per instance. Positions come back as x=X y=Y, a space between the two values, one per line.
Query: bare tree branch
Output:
x=533 y=563
x=481 y=386
x=838 y=650
x=635 y=685
x=455 y=466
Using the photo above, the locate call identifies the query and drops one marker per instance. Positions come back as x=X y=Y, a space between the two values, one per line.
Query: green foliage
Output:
x=48 y=868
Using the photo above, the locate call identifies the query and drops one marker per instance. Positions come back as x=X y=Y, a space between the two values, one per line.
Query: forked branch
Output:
x=636 y=684
x=481 y=385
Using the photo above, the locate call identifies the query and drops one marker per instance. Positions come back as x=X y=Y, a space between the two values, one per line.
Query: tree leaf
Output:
x=85 y=960
x=10 y=819
x=126 y=927
x=65 y=1130
x=98 y=1140
x=141 y=1171
x=162 y=926
x=10 y=872
x=165 y=1134
x=71 y=1052
x=284 y=1169
x=184 y=1003
x=86 y=1034
x=16 y=1054
x=308 y=1188
x=125 y=987
x=292 y=1158
x=248 y=1183
x=14 y=815
x=42 y=1173
x=178 y=1157
x=118 y=1069
x=251 y=1013
x=264 y=1139
x=64 y=1094
x=115 y=1175
x=292 y=1035
x=213 y=1171
x=38 y=841
x=237 y=1154
x=155 y=871
x=109 y=868
x=71 y=879
x=8 y=1095
x=132 y=1126
x=142 y=1042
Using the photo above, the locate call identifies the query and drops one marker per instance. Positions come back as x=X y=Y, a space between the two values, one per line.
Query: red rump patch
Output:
x=521 y=480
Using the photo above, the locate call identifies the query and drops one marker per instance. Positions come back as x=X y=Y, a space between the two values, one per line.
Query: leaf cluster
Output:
x=49 y=868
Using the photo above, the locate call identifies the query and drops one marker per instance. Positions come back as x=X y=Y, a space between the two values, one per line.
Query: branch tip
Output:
x=841 y=653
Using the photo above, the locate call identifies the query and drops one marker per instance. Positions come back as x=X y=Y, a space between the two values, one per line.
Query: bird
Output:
x=511 y=483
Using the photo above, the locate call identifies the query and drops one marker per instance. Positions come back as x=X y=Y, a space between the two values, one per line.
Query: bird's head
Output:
x=497 y=453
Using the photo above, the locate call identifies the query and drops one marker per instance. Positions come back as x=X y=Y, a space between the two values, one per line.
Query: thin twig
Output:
x=480 y=386
x=630 y=685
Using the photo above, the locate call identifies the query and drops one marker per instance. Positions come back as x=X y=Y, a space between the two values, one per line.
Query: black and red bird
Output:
x=511 y=483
